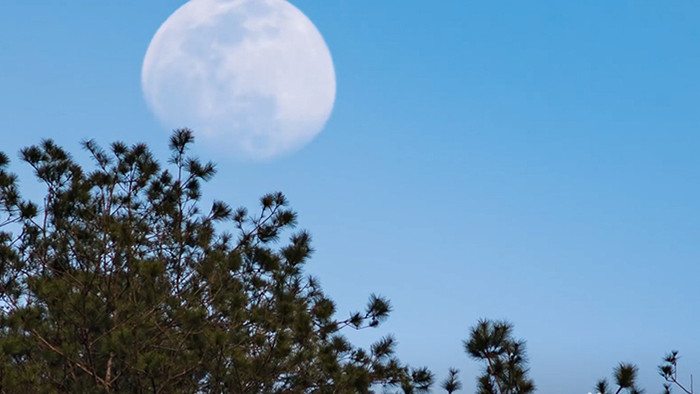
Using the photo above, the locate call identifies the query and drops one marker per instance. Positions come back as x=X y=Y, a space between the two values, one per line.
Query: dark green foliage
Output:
x=602 y=387
x=119 y=282
x=505 y=369
x=452 y=383
x=669 y=371
x=625 y=375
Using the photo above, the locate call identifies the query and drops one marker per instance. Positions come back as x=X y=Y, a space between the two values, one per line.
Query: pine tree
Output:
x=625 y=375
x=669 y=371
x=119 y=282
x=452 y=383
x=505 y=370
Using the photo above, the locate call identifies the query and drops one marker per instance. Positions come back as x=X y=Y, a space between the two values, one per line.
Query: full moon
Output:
x=251 y=77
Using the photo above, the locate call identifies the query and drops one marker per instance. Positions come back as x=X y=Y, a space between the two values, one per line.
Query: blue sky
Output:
x=532 y=161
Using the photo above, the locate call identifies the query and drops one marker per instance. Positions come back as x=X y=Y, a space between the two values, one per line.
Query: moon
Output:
x=252 y=77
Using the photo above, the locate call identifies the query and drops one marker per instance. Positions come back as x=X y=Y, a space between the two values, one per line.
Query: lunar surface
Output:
x=251 y=77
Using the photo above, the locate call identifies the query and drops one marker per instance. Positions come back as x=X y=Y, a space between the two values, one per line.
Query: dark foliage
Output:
x=117 y=281
x=505 y=369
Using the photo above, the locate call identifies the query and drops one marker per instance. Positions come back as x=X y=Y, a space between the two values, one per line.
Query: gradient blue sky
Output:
x=532 y=161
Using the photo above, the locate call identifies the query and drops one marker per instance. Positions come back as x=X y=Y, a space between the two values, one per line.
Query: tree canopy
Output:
x=119 y=281
x=505 y=370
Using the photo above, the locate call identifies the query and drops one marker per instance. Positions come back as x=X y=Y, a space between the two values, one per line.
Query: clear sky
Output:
x=531 y=161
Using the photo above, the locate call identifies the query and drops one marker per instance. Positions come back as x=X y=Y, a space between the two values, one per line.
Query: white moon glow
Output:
x=250 y=76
